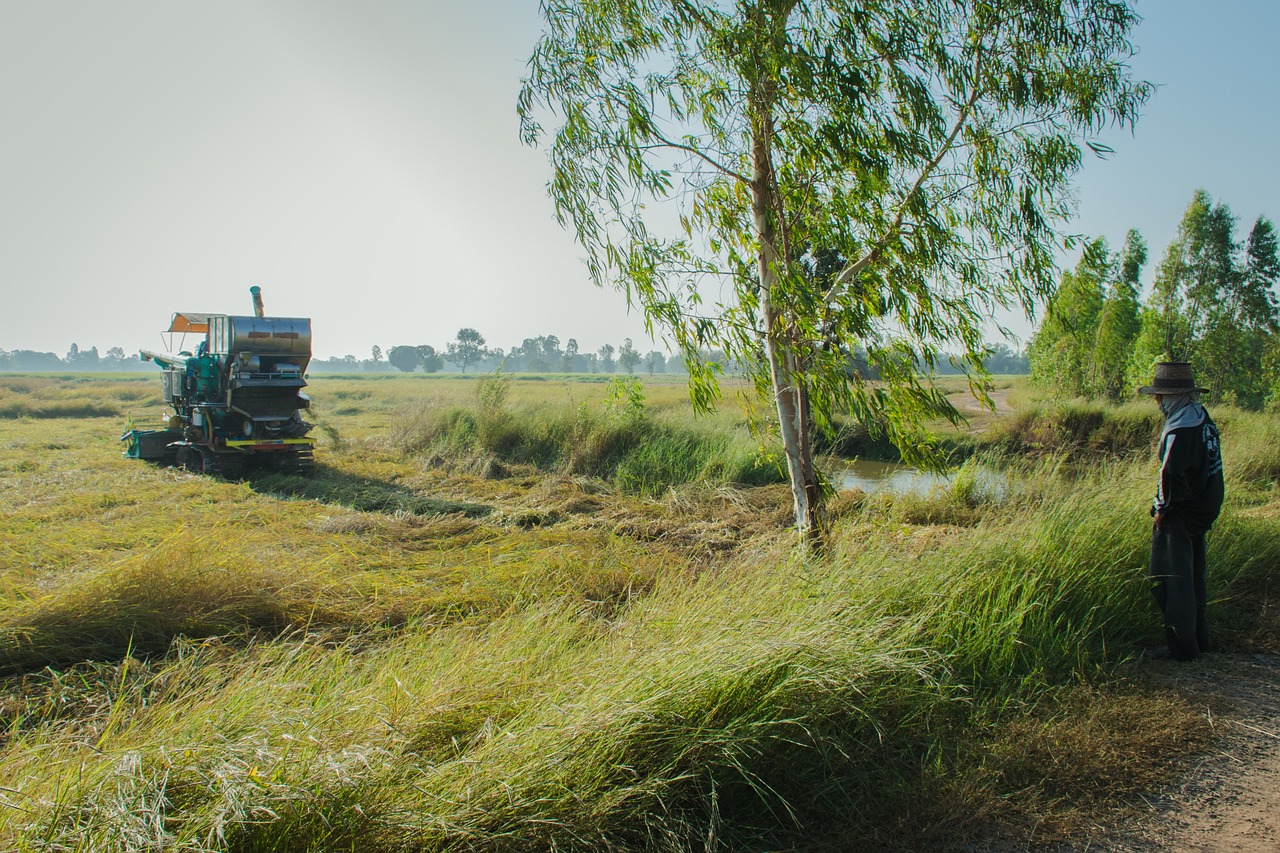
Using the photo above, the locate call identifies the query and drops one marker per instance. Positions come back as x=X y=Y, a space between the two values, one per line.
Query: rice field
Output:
x=543 y=614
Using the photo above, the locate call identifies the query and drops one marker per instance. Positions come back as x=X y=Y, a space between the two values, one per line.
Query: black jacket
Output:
x=1191 y=472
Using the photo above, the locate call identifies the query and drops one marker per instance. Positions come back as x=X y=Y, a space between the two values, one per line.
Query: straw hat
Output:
x=1172 y=377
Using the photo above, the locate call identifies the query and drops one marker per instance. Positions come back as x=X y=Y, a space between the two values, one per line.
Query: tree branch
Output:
x=849 y=272
x=719 y=167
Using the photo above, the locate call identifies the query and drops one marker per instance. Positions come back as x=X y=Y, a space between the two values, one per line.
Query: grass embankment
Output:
x=234 y=670
x=642 y=449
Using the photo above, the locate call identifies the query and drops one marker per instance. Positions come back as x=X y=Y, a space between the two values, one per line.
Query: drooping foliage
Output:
x=708 y=156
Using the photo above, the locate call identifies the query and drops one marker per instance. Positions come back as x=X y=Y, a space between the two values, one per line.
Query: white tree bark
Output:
x=784 y=370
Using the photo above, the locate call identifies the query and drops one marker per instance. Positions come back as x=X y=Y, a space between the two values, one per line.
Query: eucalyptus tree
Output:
x=1213 y=301
x=1120 y=322
x=927 y=143
x=1250 y=317
x=1061 y=353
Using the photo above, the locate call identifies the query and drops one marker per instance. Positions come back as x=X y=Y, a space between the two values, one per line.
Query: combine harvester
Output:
x=237 y=401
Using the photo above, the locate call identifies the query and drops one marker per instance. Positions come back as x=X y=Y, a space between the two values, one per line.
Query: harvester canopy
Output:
x=188 y=321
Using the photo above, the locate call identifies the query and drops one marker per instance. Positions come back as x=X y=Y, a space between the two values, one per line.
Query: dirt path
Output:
x=1232 y=801
x=1229 y=802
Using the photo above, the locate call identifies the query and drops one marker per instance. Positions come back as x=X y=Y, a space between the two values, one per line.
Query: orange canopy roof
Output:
x=185 y=321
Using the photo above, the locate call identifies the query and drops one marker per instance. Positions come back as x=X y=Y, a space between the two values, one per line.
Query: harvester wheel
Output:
x=190 y=458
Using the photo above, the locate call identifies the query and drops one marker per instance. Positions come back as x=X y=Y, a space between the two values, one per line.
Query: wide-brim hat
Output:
x=1172 y=377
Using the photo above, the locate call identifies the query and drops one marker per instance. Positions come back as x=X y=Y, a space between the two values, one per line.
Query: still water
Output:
x=872 y=476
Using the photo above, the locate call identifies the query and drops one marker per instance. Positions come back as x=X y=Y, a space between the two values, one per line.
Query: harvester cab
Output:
x=237 y=400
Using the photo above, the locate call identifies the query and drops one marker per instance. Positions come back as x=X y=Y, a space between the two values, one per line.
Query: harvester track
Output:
x=300 y=461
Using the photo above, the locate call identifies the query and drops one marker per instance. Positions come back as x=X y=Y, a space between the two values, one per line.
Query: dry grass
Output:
x=366 y=661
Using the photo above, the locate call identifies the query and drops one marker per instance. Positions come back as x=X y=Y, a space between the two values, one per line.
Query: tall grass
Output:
x=310 y=677
x=52 y=397
x=1078 y=429
x=641 y=452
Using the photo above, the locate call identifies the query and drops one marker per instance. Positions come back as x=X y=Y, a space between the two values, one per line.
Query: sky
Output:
x=360 y=161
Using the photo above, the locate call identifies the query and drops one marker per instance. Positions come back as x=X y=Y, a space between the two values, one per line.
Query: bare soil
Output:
x=1228 y=801
x=1231 y=800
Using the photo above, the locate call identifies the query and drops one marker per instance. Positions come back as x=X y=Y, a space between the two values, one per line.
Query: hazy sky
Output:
x=360 y=161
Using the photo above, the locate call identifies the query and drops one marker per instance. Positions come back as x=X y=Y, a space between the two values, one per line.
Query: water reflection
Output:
x=872 y=476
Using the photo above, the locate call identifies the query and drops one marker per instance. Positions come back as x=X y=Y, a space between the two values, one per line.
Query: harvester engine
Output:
x=237 y=401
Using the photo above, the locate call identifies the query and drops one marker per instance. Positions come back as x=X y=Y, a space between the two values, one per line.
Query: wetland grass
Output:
x=234 y=667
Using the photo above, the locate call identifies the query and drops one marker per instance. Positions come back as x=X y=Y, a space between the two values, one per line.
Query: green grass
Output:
x=411 y=653
x=643 y=449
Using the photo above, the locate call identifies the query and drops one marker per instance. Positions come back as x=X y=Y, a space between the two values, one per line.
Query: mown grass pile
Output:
x=234 y=669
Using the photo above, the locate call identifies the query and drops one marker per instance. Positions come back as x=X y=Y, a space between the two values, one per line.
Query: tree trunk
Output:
x=785 y=373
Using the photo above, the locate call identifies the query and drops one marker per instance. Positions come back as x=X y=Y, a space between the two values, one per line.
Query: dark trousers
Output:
x=1177 y=573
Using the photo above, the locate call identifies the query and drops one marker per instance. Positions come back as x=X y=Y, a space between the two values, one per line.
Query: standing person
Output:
x=1188 y=499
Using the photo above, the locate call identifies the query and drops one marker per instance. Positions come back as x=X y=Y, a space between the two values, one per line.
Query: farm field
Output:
x=544 y=613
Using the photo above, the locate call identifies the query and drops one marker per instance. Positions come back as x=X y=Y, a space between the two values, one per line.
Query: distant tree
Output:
x=593 y=362
x=403 y=358
x=83 y=359
x=377 y=353
x=550 y=353
x=1002 y=359
x=467 y=349
x=655 y=362
x=567 y=358
x=606 y=358
x=429 y=359
x=536 y=355
x=628 y=358
x=30 y=360
x=522 y=357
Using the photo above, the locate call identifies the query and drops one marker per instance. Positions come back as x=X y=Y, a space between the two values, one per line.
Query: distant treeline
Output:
x=545 y=354
x=469 y=353
x=76 y=360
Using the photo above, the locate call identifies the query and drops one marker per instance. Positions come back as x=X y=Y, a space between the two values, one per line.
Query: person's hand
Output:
x=1159 y=521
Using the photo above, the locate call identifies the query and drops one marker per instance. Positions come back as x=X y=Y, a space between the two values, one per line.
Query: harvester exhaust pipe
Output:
x=256 y=292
